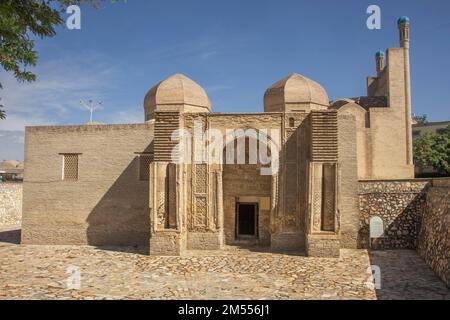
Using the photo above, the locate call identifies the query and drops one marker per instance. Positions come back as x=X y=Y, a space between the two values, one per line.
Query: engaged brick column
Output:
x=322 y=238
x=164 y=195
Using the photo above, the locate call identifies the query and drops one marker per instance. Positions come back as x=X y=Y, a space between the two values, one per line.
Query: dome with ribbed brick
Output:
x=295 y=92
x=177 y=93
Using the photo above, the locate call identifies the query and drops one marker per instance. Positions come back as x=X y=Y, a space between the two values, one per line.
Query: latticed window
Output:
x=291 y=122
x=144 y=167
x=70 y=167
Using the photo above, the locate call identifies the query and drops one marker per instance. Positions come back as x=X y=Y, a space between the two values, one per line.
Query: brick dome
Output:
x=295 y=91
x=176 y=93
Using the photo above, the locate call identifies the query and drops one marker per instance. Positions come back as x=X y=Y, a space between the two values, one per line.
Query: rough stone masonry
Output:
x=10 y=204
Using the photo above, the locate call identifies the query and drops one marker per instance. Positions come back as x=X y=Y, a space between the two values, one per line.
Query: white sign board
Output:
x=376 y=227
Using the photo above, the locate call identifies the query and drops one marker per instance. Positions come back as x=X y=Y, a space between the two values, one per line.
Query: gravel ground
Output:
x=51 y=272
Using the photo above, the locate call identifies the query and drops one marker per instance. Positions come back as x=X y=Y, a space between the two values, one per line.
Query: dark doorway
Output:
x=247 y=220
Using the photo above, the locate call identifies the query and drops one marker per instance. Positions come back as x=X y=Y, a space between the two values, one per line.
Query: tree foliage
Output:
x=433 y=150
x=422 y=119
x=20 y=22
x=2 y=112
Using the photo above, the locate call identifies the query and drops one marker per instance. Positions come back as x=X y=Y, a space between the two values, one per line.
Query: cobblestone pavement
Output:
x=42 y=272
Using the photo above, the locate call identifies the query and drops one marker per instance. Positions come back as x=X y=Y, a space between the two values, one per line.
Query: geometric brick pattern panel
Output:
x=165 y=149
x=144 y=167
x=200 y=219
x=317 y=197
x=324 y=136
x=328 y=197
x=71 y=167
x=201 y=171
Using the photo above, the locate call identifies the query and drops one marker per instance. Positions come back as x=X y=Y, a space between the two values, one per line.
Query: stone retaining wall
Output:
x=10 y=204
x=400 y=204
x=434 y=237
x=416 y=215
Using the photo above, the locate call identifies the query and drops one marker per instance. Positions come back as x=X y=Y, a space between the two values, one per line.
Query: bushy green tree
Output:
x=433 y=150
x=442 y=149
x=423 y=119
x=2 y=113
x=20 y=21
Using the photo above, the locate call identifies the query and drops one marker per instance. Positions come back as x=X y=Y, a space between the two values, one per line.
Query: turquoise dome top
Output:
x=379 y=54
x=403 y=20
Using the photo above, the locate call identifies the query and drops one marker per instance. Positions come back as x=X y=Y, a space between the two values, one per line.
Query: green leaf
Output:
x=433 y=150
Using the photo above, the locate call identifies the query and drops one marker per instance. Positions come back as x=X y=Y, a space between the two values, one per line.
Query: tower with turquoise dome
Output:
x=403 y=27
x=380 y=61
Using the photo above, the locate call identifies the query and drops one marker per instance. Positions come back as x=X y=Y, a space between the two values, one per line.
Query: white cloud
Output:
x=208 y=54
x=15 y=122
x=132 y=115
x=11 y=145
x=192 y=48
x=54 y=97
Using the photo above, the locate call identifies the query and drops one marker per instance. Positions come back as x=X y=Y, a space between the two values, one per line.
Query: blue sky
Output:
x=234 y=49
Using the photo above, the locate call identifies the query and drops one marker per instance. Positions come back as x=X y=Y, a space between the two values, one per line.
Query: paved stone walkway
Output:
x=41 y=272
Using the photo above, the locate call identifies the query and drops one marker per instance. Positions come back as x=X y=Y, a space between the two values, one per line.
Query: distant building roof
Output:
x=11 y=166
x=364 y=101
x=95 y=123
x=371 y=102
x=432 y=124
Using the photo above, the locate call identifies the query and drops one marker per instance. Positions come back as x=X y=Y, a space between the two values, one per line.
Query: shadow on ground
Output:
x=262 y=249
x=140 y=250
x=405 y=276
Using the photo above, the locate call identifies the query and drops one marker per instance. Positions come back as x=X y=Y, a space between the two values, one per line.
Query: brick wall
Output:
x=107 y=205
x=10 y=204
x=348 y=200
